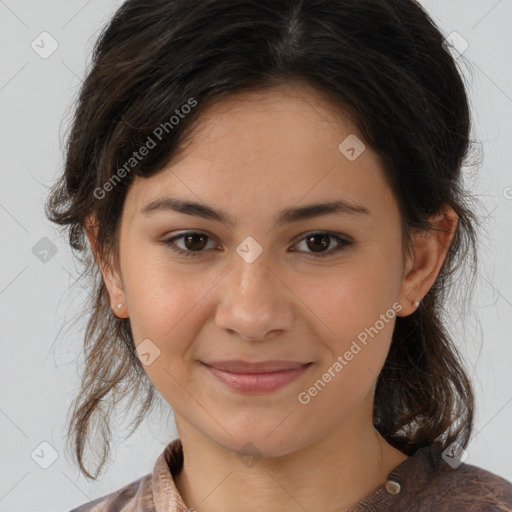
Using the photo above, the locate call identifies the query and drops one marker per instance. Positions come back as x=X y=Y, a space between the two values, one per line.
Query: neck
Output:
x=332 y=474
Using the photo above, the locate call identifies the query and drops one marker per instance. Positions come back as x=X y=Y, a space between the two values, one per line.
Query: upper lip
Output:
x=239 y=366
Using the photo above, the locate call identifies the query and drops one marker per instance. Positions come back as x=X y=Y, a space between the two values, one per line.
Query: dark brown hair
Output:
x=382 y=62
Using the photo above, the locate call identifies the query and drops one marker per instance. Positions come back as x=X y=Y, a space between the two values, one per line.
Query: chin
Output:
x=251 y=445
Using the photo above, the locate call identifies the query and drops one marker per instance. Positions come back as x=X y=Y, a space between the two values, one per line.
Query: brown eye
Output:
x=195 y=241
x=318 y=242
x=192 y=243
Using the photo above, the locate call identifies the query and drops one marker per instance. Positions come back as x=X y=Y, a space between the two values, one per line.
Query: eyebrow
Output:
x=286 y=216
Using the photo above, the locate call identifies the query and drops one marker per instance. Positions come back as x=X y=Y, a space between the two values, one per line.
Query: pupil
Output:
x=193 y=238
x=324 y=243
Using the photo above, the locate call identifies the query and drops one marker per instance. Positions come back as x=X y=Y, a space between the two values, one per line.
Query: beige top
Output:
x=422 y=482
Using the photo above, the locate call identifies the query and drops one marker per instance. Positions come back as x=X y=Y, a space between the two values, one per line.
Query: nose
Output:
x=254 y=301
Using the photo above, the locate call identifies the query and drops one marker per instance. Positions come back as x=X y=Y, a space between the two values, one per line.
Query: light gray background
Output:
x=38 y=371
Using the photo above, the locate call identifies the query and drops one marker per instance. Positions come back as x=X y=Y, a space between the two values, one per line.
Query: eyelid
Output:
x=343 y=242
x=178 y=235
x=333 y=234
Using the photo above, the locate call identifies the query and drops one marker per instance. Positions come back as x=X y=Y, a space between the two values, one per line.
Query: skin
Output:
x=252 y=156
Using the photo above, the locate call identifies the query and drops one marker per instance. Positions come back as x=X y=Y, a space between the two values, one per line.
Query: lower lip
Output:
x=257 y=382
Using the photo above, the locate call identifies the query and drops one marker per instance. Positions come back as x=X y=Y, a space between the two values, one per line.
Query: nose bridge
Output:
x=252 y=299
x=252 y=268
x=254 y=284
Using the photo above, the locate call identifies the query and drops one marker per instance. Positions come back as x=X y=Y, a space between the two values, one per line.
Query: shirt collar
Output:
x=422 y=464
x=166 y=496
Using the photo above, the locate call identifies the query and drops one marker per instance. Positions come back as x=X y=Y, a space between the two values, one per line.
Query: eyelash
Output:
x=194 y=254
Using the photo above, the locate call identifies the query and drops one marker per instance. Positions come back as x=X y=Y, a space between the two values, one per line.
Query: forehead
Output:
x=282 y=142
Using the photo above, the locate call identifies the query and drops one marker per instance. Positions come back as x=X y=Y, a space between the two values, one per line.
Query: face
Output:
x=305 y=288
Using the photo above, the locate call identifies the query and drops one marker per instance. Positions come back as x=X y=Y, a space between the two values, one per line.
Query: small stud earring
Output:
x=416 y=304
x=119 y=306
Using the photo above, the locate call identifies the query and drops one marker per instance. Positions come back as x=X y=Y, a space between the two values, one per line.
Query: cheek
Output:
x=165 y=308
x=358 y=318
x=348 y=298
x=164 y=301
x=352 y=306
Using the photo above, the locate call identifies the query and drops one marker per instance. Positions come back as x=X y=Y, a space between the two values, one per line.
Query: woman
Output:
x=272 y=192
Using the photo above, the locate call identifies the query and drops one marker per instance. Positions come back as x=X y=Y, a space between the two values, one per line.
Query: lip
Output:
x=263 y=377
x=240 y=366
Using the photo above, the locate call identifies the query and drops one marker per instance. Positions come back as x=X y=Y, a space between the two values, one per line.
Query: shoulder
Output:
x=153 y=491
x=468 y=488
x=480 y=490
x=133 y=497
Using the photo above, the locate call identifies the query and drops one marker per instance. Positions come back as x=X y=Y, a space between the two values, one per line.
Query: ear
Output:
x=113 y=281
x=422 y=267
